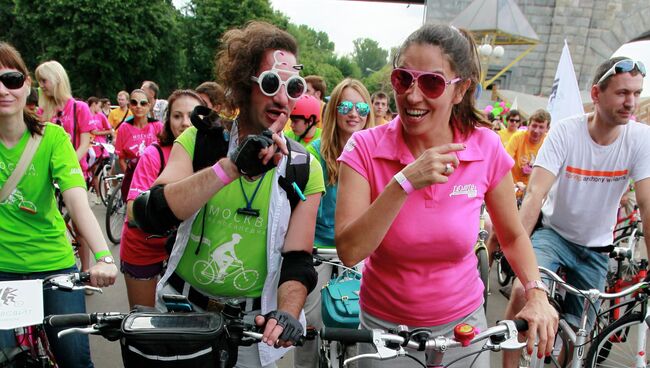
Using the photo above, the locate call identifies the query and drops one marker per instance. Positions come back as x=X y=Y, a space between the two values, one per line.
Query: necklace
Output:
x=249 y=210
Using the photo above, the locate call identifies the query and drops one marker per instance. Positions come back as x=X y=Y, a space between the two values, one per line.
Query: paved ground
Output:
x=107 y=354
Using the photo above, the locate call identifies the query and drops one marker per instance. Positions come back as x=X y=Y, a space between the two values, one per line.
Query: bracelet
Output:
x=102 y=253
x=404 y=183
x=221 y=174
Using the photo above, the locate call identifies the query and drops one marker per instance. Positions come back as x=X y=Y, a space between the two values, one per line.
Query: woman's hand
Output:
x=103 y=274
x=433 y=166
x=542 y=321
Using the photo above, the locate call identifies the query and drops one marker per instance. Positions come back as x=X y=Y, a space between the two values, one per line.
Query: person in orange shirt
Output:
x=514 y=120
x=524 y=145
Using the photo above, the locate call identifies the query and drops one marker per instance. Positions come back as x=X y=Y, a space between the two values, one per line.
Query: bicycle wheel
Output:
x=104 y=185
x=621 y=344
x=203 y=272
x=504 y=272
x=115 y=214
x=484 y=271
x=245 y=280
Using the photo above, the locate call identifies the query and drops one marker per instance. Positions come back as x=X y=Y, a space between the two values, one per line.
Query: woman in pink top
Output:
x=143 y=257
x=410 y=193
x=134 y=135
x=57 y=105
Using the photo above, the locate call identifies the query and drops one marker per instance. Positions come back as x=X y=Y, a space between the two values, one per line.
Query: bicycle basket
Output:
x=165 y=340
x=340 y=301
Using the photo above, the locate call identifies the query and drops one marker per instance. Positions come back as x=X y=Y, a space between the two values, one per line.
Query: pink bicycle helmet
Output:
x=307 y=106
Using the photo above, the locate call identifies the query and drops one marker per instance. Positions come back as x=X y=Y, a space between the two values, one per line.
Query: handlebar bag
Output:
x=168 y=340
x=340 y=301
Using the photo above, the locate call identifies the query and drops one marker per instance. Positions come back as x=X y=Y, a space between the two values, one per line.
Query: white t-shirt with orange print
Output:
x=590 y=179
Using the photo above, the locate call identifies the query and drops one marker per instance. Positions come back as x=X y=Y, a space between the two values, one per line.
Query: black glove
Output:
x=246 y=155
x=292 y=332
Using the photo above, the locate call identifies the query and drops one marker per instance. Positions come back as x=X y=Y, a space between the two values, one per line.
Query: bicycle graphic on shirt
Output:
x=223 y=263
x=16 y=198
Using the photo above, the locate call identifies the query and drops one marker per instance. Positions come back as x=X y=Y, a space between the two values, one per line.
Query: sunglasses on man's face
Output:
x=623 y=66
x=12 y=80
x=270 y=84
x=143 y=103
x=432 y=85
x=514 y=120
x=345 y=107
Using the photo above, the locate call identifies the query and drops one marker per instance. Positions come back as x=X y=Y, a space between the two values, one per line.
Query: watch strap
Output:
x=536 y=284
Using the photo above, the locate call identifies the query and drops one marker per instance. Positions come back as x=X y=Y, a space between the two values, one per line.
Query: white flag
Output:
x=565 y=100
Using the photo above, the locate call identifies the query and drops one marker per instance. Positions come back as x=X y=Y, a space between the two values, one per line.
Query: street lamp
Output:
x=488 y=54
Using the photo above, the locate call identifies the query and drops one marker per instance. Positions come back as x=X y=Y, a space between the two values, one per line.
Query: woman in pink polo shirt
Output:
x=134 y=135
x=409 y=197
x=142 y=257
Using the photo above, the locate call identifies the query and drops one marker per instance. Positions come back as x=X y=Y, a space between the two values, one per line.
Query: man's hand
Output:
x=280 y=329
x=260 y=153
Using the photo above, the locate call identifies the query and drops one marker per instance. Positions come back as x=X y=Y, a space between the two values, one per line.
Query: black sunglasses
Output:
x=13 y=80
x=143 y=103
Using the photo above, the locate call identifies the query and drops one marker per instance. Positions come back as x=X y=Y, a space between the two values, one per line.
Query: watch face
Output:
x=107 y=259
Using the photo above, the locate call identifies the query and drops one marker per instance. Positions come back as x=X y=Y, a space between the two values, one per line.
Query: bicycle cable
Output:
x=416 y=359
x=477 y=353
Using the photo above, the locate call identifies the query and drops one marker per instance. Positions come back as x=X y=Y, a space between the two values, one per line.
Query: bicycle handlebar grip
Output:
x=521 y=324
x=69 y=320
x=84 y=276
x=346 y=335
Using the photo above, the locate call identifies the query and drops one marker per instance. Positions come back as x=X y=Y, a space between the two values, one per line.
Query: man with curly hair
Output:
x=238 y=202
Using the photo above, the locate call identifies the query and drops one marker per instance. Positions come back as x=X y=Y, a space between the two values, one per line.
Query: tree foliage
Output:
x=110 y=45
x=368 y=55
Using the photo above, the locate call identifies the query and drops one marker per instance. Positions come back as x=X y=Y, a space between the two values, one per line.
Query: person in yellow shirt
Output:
x=514 y=120
x=380 y=102
x=119 y=115
x=524 y=145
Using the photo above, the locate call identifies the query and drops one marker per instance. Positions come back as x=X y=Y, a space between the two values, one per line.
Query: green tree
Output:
x=368 y=55
x=206 y=21
x=104 y=45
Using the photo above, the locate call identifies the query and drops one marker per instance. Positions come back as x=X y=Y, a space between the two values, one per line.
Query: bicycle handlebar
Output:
x=592 y=293
x=70 y=320
x=503 y=336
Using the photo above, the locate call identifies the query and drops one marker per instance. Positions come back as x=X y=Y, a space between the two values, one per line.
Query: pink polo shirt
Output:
x=100 y=122
x=131 y=140
x=136 y=247
x=424 y=271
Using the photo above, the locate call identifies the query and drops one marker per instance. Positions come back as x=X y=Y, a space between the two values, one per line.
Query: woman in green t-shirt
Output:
x=33 y=241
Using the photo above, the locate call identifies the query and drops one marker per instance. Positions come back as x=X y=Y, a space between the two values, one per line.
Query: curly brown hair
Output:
x=242 y=51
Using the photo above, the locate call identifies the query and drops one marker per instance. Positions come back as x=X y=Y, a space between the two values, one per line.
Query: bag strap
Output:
x=162 y=158
x=297 y=171
x=21 y=167
x=74 y=128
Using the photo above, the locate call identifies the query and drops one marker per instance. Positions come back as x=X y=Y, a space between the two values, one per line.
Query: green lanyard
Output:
x=249 y=210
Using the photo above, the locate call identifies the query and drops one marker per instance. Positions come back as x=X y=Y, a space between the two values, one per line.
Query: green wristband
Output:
x=102 y=253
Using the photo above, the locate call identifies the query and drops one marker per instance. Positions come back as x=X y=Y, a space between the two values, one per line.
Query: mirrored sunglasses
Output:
x=270 y=84
x=12 y=80
x=623 y=66
x=143 y=103
x=432 y=85
x=344 y=108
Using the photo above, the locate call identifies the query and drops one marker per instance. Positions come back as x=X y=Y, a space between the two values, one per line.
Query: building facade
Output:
x=594 y=29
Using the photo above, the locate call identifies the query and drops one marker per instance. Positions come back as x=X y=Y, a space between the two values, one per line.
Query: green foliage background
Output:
x=110 y=45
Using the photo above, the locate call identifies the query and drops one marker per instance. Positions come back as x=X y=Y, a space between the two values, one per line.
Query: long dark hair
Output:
x=10 y=58
x=460 y=49
x=166 y=136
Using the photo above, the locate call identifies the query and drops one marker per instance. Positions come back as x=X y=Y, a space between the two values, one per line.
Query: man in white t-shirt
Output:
x=584 y=167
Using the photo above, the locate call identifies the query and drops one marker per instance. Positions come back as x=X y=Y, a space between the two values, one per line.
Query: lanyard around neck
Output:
x=249 y=210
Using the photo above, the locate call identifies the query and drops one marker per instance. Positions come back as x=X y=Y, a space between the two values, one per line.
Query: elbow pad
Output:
x=152 y=213
x=299 y=266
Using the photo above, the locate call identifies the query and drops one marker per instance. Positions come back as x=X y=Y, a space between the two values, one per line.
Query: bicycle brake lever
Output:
x=512 y=342
x=383 y=352
x=81 y=330
x=91 y=288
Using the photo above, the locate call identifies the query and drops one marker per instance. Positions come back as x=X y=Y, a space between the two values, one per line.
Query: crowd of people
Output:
x=251 y=173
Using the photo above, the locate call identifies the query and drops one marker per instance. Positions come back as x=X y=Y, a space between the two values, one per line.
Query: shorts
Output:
x=143 y=272
x=585 y=269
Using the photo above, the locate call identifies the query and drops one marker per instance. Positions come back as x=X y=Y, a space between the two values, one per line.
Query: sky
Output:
x=344 y=20
x=639 y=50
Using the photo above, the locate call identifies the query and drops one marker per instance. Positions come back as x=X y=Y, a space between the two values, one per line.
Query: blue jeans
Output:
x=585 y=269
x=72 y=351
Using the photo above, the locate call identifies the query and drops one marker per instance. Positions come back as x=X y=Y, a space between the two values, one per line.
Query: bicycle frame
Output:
x=580 y=338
